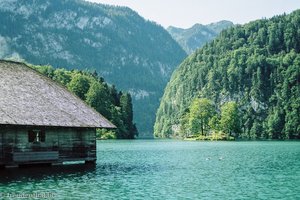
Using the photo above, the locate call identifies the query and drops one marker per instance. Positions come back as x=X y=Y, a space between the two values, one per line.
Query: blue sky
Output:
x=185 y=13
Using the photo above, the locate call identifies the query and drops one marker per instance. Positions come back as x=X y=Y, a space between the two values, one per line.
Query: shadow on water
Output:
x=75 y=171
x=123 y=168
x=39 y=173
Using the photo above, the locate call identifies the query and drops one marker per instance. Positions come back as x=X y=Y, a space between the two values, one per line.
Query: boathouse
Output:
x=41 y=121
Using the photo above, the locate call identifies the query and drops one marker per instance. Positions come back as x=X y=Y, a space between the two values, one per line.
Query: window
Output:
x=36 y=136
x=31 y=136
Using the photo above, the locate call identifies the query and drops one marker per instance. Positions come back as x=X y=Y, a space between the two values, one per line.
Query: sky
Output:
x=185 y=13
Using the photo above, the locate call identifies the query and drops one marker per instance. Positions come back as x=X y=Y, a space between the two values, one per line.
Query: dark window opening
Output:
x=31 y=136
x=36 y=136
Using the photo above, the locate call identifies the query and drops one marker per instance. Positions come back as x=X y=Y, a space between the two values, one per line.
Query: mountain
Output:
x=254 y=67
x=195 y=37
x=134 y=54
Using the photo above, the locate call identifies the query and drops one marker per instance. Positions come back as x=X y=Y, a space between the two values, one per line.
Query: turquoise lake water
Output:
x=168 y=169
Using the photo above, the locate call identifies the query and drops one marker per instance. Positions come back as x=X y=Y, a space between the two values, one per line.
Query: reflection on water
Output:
x=40 y=173
x=166 y=169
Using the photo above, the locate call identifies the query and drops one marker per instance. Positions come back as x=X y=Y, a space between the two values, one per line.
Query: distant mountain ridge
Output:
x=134 y=54
x=195 y=37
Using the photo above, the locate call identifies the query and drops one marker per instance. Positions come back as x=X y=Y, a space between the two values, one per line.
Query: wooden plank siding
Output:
x=80 y=144
x=38 y=156
x=69 y=144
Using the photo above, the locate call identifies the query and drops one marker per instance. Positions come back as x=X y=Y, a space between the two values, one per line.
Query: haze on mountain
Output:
x=130 y=52
x=198 y=35
x=252 y=68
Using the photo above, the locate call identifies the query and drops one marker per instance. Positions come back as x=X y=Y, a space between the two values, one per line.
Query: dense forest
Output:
x=115 y=105
x=245 y=83
x=130 y=52
x=198 y=35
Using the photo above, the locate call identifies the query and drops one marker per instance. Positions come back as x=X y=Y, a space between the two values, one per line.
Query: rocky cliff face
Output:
x=195 y=37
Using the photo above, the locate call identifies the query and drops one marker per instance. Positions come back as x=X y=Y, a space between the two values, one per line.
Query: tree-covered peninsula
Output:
x=114 y=105
x=244 y=84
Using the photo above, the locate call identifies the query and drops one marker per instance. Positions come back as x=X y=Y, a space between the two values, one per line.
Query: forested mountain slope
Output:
x=195 y=37
x=134 y=54
x=254 y=67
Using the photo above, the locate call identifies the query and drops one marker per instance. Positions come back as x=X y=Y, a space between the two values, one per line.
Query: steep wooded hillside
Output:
x=254 y=68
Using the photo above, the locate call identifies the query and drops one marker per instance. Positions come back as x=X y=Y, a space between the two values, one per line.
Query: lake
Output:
x=168 y=169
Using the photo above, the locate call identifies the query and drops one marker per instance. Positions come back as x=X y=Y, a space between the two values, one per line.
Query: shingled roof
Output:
x=29 y=98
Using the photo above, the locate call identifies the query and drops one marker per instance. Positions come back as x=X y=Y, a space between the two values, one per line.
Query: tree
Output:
x=230 y=122
x=98 y=98
x=63 y=76
x=116 y=119
x=274 y=41
x=214 y=123
x=201 y=111
x=126 y=106
x=256 y=130
x=79 y=85
x=256 y=85
x=46 y=70
x=184 y=122
x=276 y=123
x=115 y=95
x=127 y=115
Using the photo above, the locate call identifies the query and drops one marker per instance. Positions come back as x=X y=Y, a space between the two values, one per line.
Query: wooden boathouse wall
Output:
x=59 y=145
x=41 y=121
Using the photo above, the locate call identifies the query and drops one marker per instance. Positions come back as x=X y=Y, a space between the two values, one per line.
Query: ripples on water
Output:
x=163 y=169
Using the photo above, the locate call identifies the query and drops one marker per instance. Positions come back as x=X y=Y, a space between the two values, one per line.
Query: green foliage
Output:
x=99 y=98
x=201 y=111
x=114 y=105
x=184 y=125
x=230 y=122
x=256 y=130
x=134 y=54
x=212 y=136
x=214 y=123
x=203 y=119
x=79 y=85
x=256 y=65
x=62 y=76
x=105 y=134
x=127 y=115
x=275 y=124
